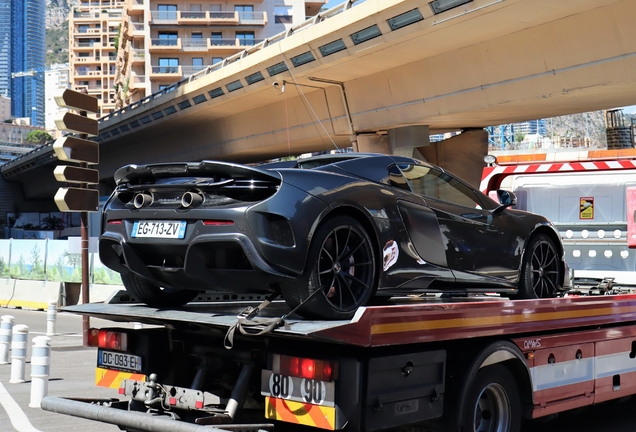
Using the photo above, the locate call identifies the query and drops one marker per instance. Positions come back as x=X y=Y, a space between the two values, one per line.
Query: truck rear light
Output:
x=198 y=404
x=320 y=370
x=173 y=401
x=122 y=390
x=113 y=340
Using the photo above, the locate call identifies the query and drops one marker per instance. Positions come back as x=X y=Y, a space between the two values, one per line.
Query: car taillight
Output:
x=217 y=223
x=115 y=222
x=107 y=339
x=321 y=370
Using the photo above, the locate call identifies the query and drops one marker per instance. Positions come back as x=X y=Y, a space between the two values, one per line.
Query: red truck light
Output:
x=320 y=370
x=117 y=341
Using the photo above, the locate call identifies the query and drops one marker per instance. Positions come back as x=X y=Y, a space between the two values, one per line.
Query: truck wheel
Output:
x=341 y=266
x=155 y=296
x=540 y=271
x=492 y=402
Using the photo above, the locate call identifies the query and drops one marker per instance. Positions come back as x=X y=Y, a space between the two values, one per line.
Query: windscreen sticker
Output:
x=390 y=254
x=587 y=208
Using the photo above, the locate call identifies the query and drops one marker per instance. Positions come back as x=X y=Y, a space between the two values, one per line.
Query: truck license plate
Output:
x=297 y=389
x=119 y=361
x=159 y=229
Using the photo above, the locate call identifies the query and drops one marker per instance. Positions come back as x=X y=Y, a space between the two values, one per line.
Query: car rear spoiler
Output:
x=214 y=169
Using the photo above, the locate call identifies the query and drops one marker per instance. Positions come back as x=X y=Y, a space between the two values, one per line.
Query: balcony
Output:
x=81 y=31
x=166 y=73
x=138 y=55
x=194 y=45
x=165 y=45
x=135 y=7
x=189 y=70
x=86 y=60
x=88 y=44
x=137 y=30
x=203 y=18
x=137 y=81
x=236 y=44
x=87 y=73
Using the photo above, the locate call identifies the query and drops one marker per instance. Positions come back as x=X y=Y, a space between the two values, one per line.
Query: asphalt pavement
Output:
x=72 y=374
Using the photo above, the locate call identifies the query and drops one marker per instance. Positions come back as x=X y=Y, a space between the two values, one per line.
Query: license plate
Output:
x=119 y=361
x=297 y=389
x=159 y=229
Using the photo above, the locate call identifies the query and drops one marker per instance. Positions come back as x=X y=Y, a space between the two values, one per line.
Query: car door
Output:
x=479 y=244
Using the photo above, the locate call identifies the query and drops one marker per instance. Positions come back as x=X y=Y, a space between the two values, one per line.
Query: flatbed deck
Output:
x=407 y=320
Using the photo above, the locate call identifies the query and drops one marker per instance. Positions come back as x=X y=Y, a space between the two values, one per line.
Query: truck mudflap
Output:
x=116 y=414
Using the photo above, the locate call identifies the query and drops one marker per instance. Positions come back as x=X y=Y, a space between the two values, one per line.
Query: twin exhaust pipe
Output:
x=189 y=199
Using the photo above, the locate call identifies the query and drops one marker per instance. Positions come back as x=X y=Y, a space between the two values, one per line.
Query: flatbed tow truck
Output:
x=475 y=363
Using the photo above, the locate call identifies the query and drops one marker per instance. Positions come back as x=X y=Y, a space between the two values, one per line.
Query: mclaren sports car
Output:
x=329 y=233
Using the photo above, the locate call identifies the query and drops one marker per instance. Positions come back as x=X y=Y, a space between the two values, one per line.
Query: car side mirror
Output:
x=506 y=198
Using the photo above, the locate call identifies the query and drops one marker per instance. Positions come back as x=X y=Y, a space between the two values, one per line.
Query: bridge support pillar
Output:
x=372 y=143
x=406 y=141
x=461 y=154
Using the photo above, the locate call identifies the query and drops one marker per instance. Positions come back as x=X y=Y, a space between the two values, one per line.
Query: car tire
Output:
x=144 y=291
x=340 y=273
x=540 y=273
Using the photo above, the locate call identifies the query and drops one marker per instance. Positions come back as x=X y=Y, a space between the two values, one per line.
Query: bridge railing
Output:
x=258 y=45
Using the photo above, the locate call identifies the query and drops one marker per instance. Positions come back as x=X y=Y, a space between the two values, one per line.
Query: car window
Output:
x=433 y=183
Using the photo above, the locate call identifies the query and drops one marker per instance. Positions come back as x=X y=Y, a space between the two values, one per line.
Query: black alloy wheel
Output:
x=541 y=270
x=341 y=272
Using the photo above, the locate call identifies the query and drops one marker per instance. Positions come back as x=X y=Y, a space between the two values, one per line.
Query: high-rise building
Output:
x=5 y=47
x=163 y=42
x=531 y=127
x=56 y=79
x=27 y=59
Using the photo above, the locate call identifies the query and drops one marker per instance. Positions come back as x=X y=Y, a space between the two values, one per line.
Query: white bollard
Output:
x=40 y=367
x=18 y=353
x=51 y=315
x=6 y=326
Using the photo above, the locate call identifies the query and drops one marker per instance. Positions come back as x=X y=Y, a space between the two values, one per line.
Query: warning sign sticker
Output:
x=587 y=208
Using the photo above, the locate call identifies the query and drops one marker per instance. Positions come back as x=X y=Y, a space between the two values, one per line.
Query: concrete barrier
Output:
x=29 y=294
x=33 y=294
x=101 y=293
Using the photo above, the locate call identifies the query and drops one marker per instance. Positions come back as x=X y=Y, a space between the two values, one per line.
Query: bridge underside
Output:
x=485 y=63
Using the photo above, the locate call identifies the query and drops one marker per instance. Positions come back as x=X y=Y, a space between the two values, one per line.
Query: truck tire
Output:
x=340 y=273
x=491 y=402
x=152 y=295
x=540 y=273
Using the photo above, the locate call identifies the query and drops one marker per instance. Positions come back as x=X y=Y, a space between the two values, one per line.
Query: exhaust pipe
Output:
x=191 y=199
x=142 y=200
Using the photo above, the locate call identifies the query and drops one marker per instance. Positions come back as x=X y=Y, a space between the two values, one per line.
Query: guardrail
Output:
x=320 y=17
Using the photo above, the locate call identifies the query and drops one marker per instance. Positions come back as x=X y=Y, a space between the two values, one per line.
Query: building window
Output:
x=216 y=60
x=197 y=35
x=168 y=65
x=217 y=39
x=283 y=14
x=243 y=8
x=245 y=38
x=167 y=12
x=82 y=28
x=168 y=39
x=197 y=64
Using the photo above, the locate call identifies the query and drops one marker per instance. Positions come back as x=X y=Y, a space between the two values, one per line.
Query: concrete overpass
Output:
x=380 y=74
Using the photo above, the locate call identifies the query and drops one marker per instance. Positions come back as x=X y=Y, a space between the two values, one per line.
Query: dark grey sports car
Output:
x=330 y=232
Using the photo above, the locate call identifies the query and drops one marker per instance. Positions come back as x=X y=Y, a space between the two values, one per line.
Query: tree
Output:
x=519 y=136
x=38 y=137
x=37 y=269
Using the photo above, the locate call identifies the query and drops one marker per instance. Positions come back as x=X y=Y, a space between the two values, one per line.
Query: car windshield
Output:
x=431 y=182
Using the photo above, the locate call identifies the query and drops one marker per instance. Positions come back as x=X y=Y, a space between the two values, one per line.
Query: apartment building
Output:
x=94 y=30
x=124 y=50
x=164 y=41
